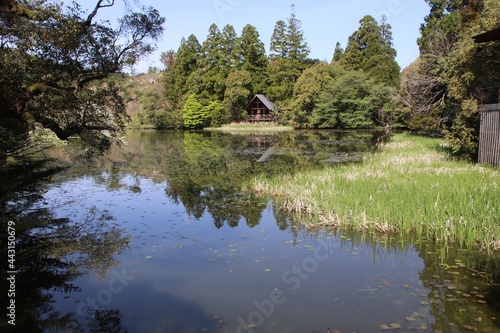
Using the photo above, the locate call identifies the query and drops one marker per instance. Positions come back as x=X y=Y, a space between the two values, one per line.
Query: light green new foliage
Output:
x=194 y=114
x=409 y=186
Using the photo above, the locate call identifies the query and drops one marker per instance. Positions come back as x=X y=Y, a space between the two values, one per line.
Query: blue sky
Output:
x=324 y=22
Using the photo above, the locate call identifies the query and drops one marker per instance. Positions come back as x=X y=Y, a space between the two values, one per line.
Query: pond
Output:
x=162 y=235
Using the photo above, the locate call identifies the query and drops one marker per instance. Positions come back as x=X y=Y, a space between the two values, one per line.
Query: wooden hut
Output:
x=260 y=109
x=489 y=131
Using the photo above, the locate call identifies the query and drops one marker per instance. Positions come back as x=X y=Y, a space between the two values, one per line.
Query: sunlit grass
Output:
x=409 y=186
x=251 y=127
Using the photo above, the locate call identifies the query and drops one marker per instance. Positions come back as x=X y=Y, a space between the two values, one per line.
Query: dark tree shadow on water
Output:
x=50 y=254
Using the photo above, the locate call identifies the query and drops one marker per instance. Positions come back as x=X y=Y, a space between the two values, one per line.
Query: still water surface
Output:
x=158 y=236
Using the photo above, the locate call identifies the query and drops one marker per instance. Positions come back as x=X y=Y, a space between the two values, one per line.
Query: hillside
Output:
x=143 y=98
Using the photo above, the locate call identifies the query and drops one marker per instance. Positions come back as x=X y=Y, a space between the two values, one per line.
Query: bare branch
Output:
x=98 y=6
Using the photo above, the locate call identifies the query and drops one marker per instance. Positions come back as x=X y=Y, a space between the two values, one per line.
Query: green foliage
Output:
x=218 y=113
x=338 y=54
x=463 y=133
x=352 y=100
x=306 y=93
x=54 y=60
x=181 y=66
x=409 y=187
x=252 y=57
x=442 y=89
x=289 y=52
x=370 y=49
x=237 y=95
x=195 y=115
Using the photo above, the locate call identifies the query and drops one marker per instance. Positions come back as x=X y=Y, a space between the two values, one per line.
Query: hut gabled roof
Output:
x=263 y=98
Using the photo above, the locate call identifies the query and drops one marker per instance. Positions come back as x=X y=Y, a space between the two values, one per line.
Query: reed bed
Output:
x=409 y=186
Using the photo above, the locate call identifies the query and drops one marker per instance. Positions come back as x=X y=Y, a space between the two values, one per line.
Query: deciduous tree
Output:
x=53 y=61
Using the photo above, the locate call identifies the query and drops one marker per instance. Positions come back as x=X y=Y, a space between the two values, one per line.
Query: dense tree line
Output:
x=438 y=94
x=441 y=90
x=56 y=62
x=228 y=70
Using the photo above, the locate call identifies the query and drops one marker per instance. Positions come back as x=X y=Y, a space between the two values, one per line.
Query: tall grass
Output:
x=409 y=186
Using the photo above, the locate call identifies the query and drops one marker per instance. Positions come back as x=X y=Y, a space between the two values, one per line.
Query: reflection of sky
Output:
x=185 y=271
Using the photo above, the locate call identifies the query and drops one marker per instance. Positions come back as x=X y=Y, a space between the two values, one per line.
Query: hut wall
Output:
x=489 y=137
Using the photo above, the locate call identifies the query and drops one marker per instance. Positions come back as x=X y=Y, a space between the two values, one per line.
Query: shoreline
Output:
x=409 y=186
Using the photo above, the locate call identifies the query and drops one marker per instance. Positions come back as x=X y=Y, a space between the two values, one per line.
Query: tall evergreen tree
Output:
x=211 y=50
x=251 y=55
x=338 y=54
x=237 y=94
x=370 y=49
x=442 y=22
x=212 y=61
x=297 y=47
x=279 y=48
x=228 y=47
x=289 y=52
x=176 y=76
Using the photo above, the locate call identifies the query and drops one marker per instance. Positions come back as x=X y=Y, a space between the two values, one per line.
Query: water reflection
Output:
x=205 y=171
x=51 y=254
x=159 y=236
x=463 y=288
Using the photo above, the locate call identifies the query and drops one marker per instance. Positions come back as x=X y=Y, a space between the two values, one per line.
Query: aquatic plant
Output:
x=409 y=186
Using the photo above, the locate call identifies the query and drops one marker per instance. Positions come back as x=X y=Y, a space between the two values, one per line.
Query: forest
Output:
x=63 y=73
x=209 y=83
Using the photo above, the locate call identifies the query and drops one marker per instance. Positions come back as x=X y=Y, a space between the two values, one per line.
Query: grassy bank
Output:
x=251 y=127
x=409 y=186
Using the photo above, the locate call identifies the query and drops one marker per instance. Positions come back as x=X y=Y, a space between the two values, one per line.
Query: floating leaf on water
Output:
x=470 y=328
x=406 y=286
x=424 y=303
x=148 y=257
x=267 y=270
x=395 y=325
x=410 y=318
x=481 y=301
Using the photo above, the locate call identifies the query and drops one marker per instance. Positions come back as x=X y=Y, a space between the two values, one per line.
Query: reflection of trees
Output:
x=50 y=254
x=464 y=289
x=105 y=321
x=206 y=176
x=205 y=171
